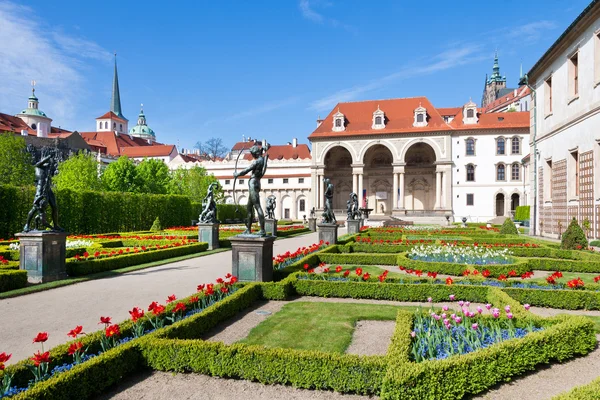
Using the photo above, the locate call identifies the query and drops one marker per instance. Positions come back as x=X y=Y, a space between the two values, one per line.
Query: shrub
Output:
x=11 y=279
x=156 y=227
x=509 y=228
x=595 y=243
x=522 y=213
x=574 y=237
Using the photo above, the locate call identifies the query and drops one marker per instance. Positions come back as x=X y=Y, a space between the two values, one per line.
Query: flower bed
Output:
x=460 y=255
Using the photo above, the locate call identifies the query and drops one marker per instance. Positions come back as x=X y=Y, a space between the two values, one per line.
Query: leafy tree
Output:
x=121 y=176
x=212 y=149
x=153 y=176
x=15 y=162
x=79 y=172
x=193 y=183
x=574 y=237
x=509 y=228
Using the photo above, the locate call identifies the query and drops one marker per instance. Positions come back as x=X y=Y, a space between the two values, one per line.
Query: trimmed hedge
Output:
x=86 y=267
x=545 y=264
x=522 y=213
x=563 y=299
x=11 y=279
x=590 y=391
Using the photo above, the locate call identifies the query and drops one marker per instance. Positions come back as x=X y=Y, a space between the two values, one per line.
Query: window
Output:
x=500 y=146
x=548 y=96
x=470 y=199
x=470 y=173
x=241 y=181
x=120 y=127
x=227 y=181
x=419 y=117
x=574 y=75
x=515 y=173
x=33 y=126
x=338 y=123
x=285 y=180
x=270 y=180
x=377 y=120
x=300 y=180
x=302 y=205
x=500 y=172
x=516 y=145
x=470 y=145
x=470 y=113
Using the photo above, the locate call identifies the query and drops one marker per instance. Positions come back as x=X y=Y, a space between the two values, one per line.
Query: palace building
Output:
x=407 y=158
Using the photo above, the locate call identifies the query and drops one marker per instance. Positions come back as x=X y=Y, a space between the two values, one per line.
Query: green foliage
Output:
x=509 y=228
x=574 y=237
x=522 y=213
x=16 y=202
x=546 y=264
x=595 y=243
x=193 y=183
x=590 y=391
x=227 y=212
x=121 y=176
x=11 y=279
x=156 y=226
x=79 y=172
x=563 y=299
x=15 y=162
x=153 y=176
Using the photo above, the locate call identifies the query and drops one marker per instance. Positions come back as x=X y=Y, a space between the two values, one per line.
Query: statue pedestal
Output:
x=42 y=255
x=252 y=258
x=209 y=232
x=328 y=233
x=354 y=225
x=312 y=224
x=271 y=227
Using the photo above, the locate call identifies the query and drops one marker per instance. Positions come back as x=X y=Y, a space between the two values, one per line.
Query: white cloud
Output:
x=443 y=61
x=31 y=50
x=531 y=32
x=262 y=109
x=309 y=12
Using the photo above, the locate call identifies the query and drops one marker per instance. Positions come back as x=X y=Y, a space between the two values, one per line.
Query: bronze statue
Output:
x=354 y=212
x=313 y=213
x=258 y=169
x=209 y=211
x=44 y=196
x=328 y=215
x=271 y=205
x=349 y=210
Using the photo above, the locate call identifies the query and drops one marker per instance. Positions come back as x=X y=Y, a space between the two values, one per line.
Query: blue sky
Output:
x=264 y=69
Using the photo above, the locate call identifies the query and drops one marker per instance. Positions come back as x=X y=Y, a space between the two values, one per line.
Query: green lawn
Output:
x=370 y=269
x=587 y=278
x=317 y=326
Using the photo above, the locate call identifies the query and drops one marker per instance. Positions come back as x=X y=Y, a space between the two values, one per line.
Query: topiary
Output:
x=509 y=228
x=156 y=225
x=574 y=237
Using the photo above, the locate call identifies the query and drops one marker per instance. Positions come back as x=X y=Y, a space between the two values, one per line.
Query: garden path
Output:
x=59 y=310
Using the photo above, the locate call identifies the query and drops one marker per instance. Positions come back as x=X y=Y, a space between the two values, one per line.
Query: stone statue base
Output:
x=252 y=258
x=354 y=226
x=312 y=224
x=271 y=227
x=328 y=233
x=42 y=255
x=209 y=232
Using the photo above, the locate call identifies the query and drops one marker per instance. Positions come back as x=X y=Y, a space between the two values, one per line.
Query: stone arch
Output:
x=302 y=212
x=242 y=200
x=330 y=146
x=372 y=143
x=287 y=207
x=431 y=143
x=228 y=200
x=500 y=201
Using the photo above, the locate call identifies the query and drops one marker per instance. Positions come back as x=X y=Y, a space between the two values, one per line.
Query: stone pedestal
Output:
x=271 y=227
x=354 y=226
x=312 y=224
x=42 y=255
x=328 y=233
x=209 y=232
x=252 y=258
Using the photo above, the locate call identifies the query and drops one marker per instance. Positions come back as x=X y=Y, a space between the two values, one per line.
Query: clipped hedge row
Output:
x=563 y=299
x=590 y=391
x=11 y=279
x=563 y=265
x=86 y=267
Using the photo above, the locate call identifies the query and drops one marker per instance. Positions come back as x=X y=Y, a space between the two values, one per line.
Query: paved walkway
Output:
x=59 y=310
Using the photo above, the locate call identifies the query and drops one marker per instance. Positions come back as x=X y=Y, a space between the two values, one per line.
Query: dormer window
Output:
x=420 y=116
x=470 y=113
x=339 y=122
x=378 y=119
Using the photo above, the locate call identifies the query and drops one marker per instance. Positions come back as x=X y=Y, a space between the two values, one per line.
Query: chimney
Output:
x=294 y=142
x=23 y=132
x=319 y=121
x=515 y=93
x=40 y=131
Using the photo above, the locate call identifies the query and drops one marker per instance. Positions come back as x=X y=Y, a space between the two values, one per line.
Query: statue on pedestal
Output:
x=209 y=209
x=258 y=169
x=313 y=213
x=271 y=205
x=44 y=196
x=328 y=215
x=353 y=210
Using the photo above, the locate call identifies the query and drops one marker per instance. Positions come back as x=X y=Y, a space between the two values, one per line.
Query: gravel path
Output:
x=163 y=385
x=550 y=312
x=371 y=338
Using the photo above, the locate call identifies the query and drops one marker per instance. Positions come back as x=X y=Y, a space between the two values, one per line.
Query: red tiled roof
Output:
x=148 y=151
x=12 y=124
x=287 y=152
x=399 y=115
x=509 y=98
x=111 y=115
x=449 y=110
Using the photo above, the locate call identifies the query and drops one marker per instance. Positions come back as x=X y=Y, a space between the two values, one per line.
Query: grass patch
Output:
x=317 y=326
x=587 y=278
x=107 y=274
x=372 y=270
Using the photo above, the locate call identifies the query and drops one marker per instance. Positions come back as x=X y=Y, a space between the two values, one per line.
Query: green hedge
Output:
x=590 y=391
x=564 y=299
x=545 y=264
x=522 y=213
x=86 y=267
x=11 y=279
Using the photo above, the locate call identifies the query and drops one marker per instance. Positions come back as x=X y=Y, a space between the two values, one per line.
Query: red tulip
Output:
x=39 y=358
x=179 y=307
x=41 y=337
x=136 y=314
x=200 y=287
x=76 y=332
x=4 y=358
x=159 y=309
x=75 y=347
x=194 y=299
x=171 y=298
x=104 y=320
x=113 y=330
x=152 y=306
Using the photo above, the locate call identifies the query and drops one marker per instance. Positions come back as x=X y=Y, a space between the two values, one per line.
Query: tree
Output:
x=16 y=166
x=193 y=183
x=153 y=176
x=574 y=238
x=509 y=228
x=120 y=176
x=79 y=172
x=212 y=149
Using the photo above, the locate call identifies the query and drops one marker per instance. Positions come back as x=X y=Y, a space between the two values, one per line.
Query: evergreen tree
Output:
x=121 y=176
x=153 y=176
x=509 y=228
x=574 y=237
x=79 y=172
x=15 y=162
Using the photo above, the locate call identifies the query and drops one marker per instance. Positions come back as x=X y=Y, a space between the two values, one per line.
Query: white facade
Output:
x=567 y=116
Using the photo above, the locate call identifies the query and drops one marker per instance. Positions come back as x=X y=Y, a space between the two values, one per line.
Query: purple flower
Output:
x=453 y=316
x=458 y=320
x=445 y=308
x=451 y=297
x=413 y=334
x=507 y=309
x=429 y=300
x=437 y=317
x=474 y=326
x=446 y=321
x=444 y=315
x=467 y=303
x=527 y=306
x=479 y=309
x=461 y=303
x=488 y=306
x=496 y=314
x=509 y=316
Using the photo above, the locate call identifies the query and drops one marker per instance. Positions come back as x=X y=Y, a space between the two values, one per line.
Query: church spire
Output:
x=115 y=101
